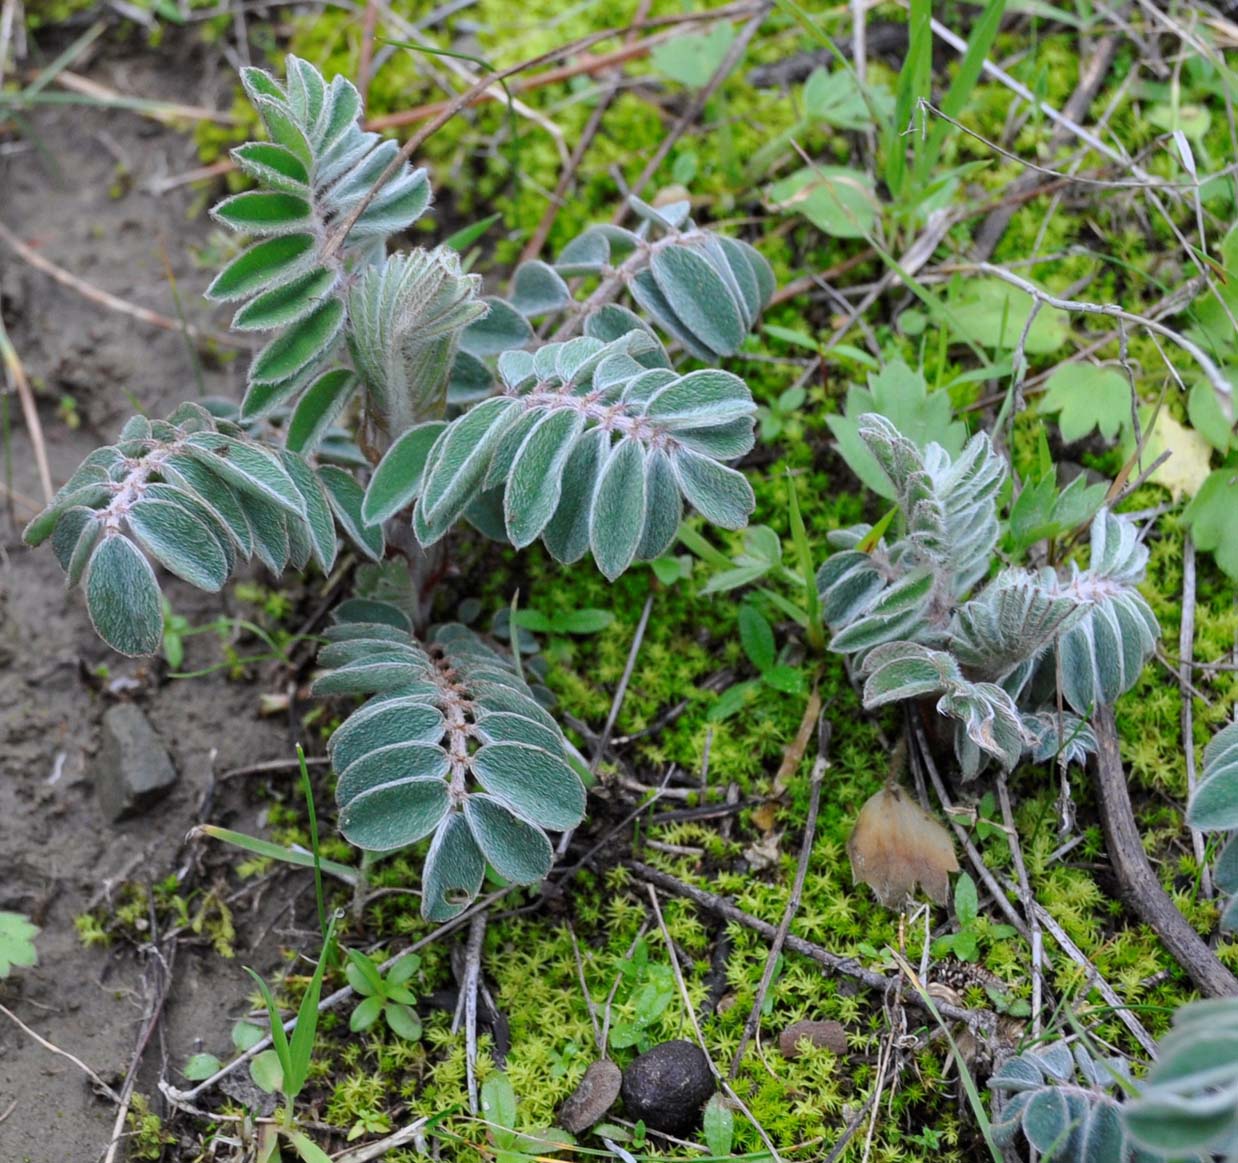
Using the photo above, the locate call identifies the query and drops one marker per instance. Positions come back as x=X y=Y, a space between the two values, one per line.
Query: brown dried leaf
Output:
x=896 y=845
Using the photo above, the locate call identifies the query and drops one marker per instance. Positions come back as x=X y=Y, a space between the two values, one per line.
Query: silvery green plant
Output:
x=1213 y=807
x=585 y=437
x=1062 y=1101
x=1074 y=1108
x=921 y=617
x=1187 y=1105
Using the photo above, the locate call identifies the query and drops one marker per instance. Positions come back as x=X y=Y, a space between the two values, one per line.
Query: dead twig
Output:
x=797 y=891
x=103 y=1086
x=622 y=689
x=979 y=1020
x=468 y=990
x=30 y=412
x=1137 y=883
x=107 y=299
x=1029 y=900
x=411 y=1133
x=161 y=970
x=1186 y=654
x=727 y=1089
x=275 y=765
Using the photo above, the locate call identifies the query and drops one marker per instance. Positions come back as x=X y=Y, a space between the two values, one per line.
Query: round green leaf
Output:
x=517 y=850
x=264 y=212
x=317 y=409
x=617 y=514
x=365 y=1014
x=394 y=815
x=403 y=1021
x=536 y=479
x=397 y=479
x=391 y=765
x=720 y=494
x=266 y=1071
x=201 y=1066
x=301 y=345
x=700 y=297
x=273 y=166
x=122 y=597
x=453 y=870
x=285 y=304
x=180 y=542
x=261 y=266
x=536 y=783
x=383 y=725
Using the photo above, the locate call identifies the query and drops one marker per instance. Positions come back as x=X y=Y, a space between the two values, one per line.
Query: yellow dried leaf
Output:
x=896 y=845
x=1184 y=473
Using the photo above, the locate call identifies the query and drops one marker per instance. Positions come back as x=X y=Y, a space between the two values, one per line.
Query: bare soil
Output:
x=82 y=199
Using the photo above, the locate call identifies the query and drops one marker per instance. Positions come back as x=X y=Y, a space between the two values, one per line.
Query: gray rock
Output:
x=133 y=769
x=595 y=1095
x=667 y=1087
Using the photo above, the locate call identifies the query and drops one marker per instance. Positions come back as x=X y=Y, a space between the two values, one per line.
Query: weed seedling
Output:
x=284 y=1068
x=386 y=996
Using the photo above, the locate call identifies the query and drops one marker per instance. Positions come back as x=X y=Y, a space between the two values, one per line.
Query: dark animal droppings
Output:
x=667 y=1086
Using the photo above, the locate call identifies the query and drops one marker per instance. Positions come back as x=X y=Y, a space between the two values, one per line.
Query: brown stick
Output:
x=980 y=1020
x=797 y=893
x=105 y=298
x=17 y=373
x=1137 y=883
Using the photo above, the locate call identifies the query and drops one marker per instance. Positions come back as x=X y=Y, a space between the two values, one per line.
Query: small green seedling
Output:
x=781 y=418
x=498 y=1109
x=284 y=1068
x=175 y=628
x=965 y=942
x=651 y=989
x=17 y=935
x=560 y=624
x=200 y=1067
x=757 y=637
x=387 y=997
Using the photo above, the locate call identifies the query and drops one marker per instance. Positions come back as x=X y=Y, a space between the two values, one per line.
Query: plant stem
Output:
x=1137 y=882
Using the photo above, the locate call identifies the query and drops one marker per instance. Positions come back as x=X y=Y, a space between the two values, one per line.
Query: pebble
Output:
x=667 y=1087
x=595 y=1095
x=133 y=769
x=830 y=1035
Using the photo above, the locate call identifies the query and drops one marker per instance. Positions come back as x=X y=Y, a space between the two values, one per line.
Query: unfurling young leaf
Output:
x=911 y=613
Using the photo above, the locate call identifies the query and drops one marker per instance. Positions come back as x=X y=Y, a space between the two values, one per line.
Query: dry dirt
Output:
x=82 y=199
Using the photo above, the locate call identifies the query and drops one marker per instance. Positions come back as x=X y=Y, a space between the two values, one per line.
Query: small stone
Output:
x=667 y=1087
x=595 y=1095
x=133 y=769
x=830 y=1035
